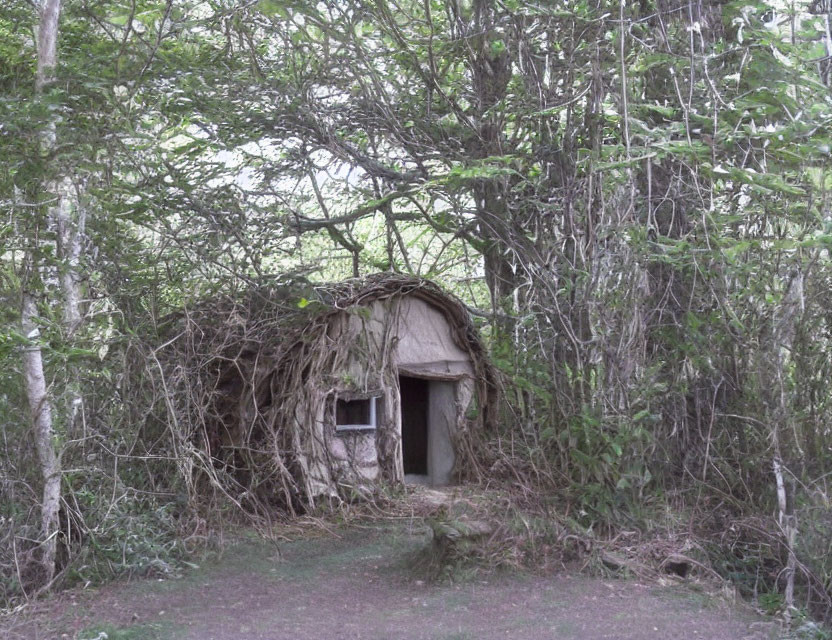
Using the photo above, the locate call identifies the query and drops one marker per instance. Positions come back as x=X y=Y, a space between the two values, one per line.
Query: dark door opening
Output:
x=414 y=407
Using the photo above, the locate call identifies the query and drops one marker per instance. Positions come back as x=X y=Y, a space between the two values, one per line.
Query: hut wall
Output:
x=425 y=342
x=383 y=339
x=363 y=333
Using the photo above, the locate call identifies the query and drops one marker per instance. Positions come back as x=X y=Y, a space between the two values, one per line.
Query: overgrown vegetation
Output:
x=249 y=387
x=633 y=197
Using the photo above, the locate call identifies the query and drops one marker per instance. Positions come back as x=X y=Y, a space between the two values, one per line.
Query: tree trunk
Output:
x=33 y=374
x=47 y=41
x=490 y=65
x=41 y=412
x=70 y=242
x=786 y=318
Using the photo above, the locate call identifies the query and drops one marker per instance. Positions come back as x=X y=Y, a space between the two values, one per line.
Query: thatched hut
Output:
x=291 y=392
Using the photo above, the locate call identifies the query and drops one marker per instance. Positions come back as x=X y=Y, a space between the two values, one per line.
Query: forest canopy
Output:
x=630 y=197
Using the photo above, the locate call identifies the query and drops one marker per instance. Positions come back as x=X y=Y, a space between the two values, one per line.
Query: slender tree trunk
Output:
x=37 y=391
x=788 y=523
x=70 y=241
x=41 y=411
x=786 y=319
x=490 y=67
x=47 y=41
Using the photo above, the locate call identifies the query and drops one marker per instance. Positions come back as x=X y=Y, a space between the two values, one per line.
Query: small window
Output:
x=354 y=415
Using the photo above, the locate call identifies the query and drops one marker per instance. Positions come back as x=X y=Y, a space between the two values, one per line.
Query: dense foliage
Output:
x=634 y=195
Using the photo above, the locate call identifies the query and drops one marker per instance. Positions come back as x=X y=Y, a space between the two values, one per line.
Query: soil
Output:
x=359 y=585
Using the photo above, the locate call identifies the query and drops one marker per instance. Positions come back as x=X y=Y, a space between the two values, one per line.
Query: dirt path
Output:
x=358 y=587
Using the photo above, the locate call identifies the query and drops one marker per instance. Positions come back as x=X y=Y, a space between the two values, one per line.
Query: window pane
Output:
x=352 y=412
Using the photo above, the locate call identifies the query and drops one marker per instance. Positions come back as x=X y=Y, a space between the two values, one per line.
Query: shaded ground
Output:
x=358 y=586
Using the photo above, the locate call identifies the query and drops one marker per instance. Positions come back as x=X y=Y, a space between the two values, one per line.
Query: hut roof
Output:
x=276 y=314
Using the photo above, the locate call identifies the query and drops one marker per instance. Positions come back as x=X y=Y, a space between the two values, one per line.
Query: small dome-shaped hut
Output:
x=291 y=392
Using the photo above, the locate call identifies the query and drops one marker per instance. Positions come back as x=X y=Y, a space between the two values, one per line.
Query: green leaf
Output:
x=119 y=19
x=273 y=8
x=641 y=415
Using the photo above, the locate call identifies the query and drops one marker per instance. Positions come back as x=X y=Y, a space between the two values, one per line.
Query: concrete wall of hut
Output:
x=374 y=345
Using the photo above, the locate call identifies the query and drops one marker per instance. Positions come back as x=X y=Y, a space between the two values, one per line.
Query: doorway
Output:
x=428 y=416
x=415 y=397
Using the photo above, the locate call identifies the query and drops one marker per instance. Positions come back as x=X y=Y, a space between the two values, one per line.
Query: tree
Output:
x=33 y=371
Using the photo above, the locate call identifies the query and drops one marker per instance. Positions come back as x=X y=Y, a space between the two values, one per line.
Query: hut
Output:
x=292 y=392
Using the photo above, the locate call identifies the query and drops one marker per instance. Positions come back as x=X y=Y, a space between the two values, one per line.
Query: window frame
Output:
x=373 y=414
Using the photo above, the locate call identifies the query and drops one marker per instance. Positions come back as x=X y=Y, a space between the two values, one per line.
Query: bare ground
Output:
x=359 y=586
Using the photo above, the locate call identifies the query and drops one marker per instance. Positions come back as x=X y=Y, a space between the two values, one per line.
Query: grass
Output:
x=150 y=631
x=513 y=602
x=690 y=595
